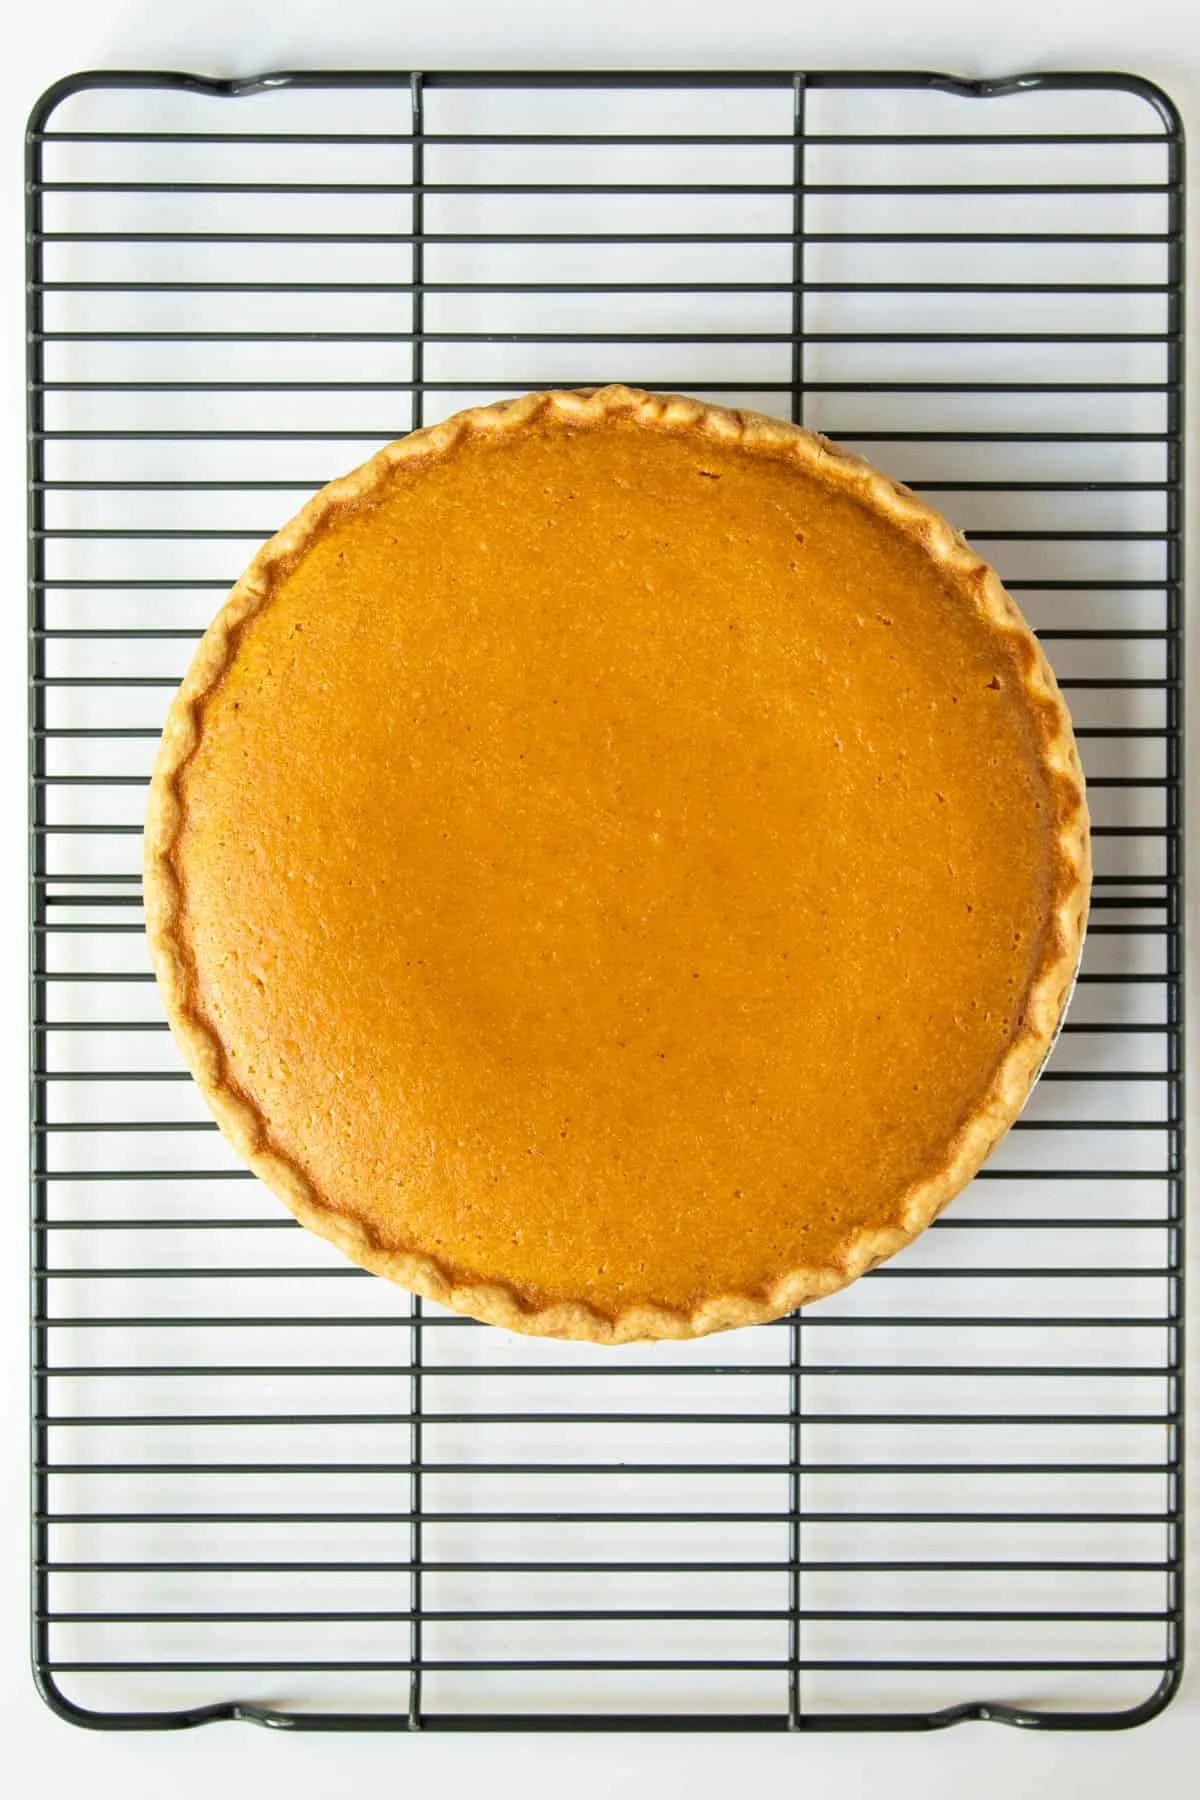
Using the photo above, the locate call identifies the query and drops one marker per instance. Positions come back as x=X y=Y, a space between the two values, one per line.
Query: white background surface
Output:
x=1158 y=39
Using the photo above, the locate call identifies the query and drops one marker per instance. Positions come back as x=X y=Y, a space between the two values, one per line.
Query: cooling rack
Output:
x=269 y=1487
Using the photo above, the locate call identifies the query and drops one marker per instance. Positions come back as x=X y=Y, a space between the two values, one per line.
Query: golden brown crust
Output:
x=494 y=1301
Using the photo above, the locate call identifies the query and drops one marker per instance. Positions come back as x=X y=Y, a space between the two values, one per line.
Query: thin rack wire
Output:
x=953 y=1492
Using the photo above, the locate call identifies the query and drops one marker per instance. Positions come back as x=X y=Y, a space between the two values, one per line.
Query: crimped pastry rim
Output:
x=494 y=1301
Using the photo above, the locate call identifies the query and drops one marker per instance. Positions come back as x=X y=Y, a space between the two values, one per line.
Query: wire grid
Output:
x=268 y=1486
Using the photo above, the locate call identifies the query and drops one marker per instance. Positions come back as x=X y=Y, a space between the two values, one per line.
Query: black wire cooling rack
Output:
x=267 y=1486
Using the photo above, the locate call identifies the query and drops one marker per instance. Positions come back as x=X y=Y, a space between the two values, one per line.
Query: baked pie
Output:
x=616 y=866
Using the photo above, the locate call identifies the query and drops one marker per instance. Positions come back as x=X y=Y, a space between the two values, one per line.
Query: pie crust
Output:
x=182 y=826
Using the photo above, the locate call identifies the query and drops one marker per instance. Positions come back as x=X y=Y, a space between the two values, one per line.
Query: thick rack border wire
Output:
x=51 y=892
